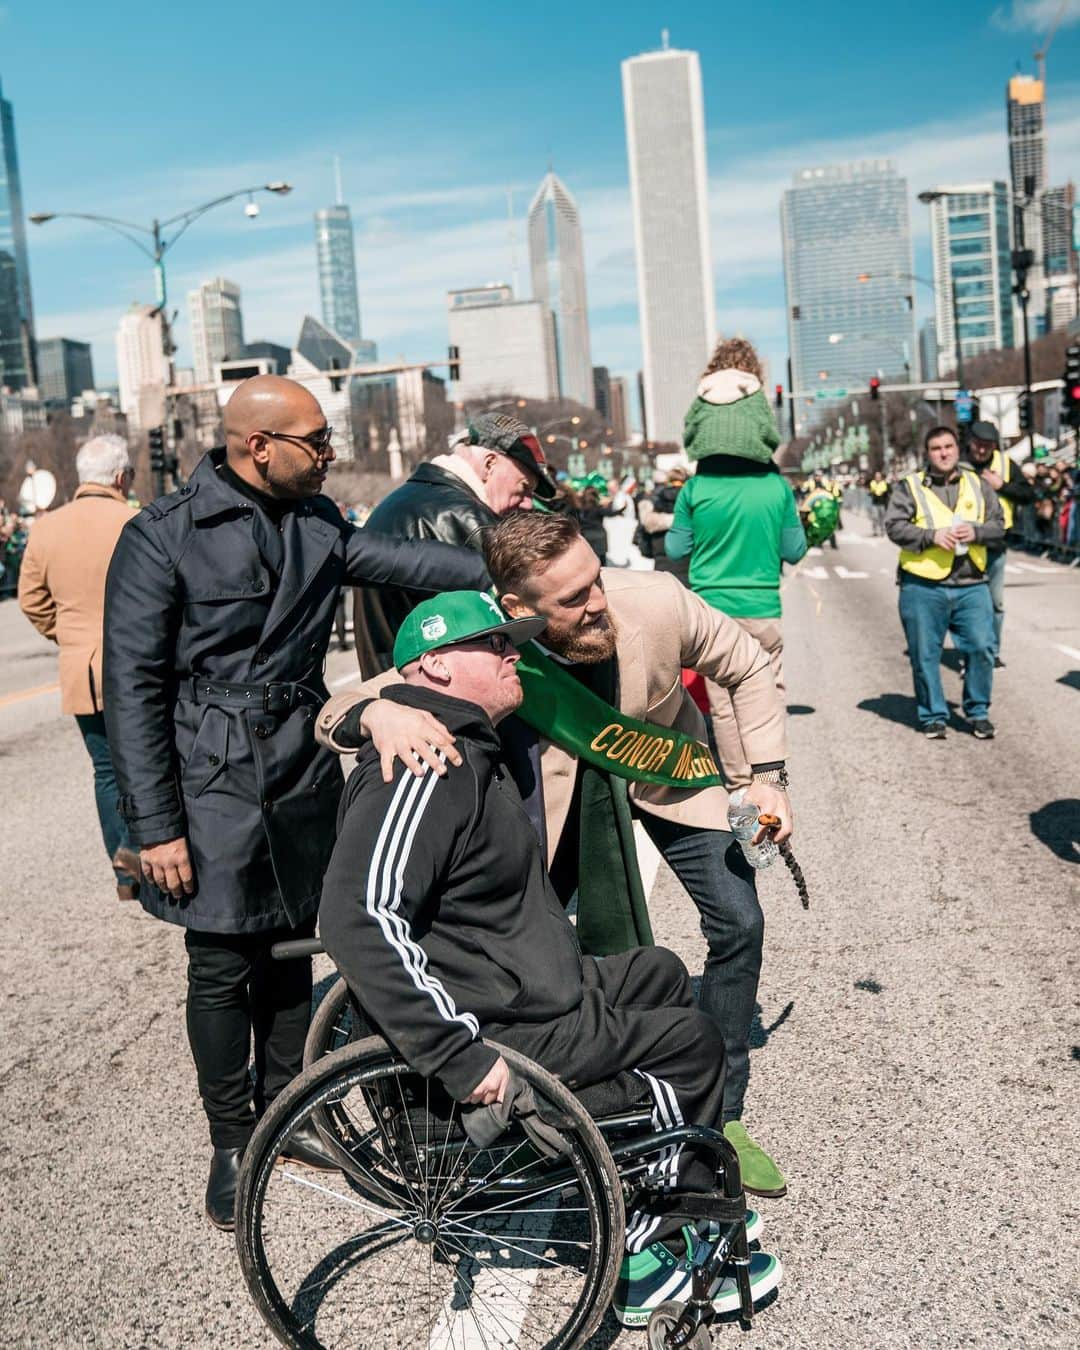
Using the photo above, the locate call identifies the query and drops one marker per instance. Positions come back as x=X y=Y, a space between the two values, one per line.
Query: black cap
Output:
x=984 y=431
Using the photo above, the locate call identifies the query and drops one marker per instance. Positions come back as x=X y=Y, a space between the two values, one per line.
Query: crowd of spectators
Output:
x=14 y=532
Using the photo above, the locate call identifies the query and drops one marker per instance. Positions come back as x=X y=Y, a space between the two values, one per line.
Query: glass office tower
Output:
x=336 y=256
x=971 y=237
x=16 y=309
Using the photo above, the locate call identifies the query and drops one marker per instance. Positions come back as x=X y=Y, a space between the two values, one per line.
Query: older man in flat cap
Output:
x=495 y=466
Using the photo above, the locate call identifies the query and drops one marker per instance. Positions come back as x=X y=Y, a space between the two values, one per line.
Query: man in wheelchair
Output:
x=438 y=910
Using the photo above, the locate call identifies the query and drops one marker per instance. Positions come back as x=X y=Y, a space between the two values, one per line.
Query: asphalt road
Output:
x=917 y=1072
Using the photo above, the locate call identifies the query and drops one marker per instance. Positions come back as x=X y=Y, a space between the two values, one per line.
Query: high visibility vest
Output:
x=1001 y=463
x=931 y=513
x=878 y=488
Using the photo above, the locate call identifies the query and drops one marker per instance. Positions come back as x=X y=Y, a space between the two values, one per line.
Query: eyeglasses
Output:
x=318 y=442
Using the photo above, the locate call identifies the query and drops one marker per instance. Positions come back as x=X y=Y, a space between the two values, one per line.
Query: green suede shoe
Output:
x=760 y=1175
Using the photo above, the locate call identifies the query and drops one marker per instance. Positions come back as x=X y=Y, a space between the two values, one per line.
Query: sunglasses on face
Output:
x=317 y=442
x=499 y=643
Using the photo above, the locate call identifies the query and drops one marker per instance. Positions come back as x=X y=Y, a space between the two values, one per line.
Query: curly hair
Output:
x=735 y=353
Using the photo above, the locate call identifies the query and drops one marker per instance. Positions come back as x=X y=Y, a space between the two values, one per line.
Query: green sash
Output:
x=564 y=711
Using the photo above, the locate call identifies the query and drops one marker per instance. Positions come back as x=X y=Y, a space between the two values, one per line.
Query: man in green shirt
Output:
x=737 y=521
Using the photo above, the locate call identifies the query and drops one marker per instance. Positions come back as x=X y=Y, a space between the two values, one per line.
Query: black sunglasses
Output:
x=317 y=441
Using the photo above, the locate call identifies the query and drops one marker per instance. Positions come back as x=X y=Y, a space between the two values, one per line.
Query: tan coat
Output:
x=661 y=627
x=62 y=586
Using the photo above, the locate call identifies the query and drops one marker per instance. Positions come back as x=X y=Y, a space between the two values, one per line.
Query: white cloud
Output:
x=1035 y=15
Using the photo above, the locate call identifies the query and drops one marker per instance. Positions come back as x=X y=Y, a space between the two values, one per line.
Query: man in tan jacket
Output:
x=62 y=593
x=627 y=636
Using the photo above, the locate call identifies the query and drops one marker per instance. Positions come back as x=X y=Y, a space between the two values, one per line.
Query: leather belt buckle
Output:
x=278 y=698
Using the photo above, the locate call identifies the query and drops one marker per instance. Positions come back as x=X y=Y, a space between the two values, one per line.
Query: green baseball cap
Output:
x=457 y=616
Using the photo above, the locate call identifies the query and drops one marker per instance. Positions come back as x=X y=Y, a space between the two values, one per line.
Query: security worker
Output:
x=879 y=489
x=219 y=607
x=996 y=469
x=944 y=519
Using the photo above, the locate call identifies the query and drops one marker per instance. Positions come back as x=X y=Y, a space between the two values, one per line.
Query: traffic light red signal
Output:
x=779 y=395
x=1070 y=398
x=875 y=387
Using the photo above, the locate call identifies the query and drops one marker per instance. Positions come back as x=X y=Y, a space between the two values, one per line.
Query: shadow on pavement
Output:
x=1072 y=680
x=759 y=1033
x=899 y=708
x=800 y=709
x=1057 y=825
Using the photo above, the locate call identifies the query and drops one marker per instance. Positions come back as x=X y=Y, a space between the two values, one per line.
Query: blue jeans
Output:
x=106 y=794
x=928 y=612
x=995 y=579
x=719 y=880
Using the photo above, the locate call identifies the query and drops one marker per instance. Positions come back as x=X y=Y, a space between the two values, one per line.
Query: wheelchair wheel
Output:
x=422 y=1239
x=332 y=1025
x=663 y=1322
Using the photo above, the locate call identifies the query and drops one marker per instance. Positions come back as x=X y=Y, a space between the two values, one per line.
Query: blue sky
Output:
x=134 y=109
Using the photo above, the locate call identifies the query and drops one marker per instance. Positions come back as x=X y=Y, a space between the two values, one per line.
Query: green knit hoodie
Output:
x=730 y=416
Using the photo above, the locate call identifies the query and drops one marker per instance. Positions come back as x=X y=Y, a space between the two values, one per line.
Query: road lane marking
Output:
x=1069 y=651
x=843 y=572
x=346 y=679
x=1032 y=567
x=816 y=573
x=21 y=695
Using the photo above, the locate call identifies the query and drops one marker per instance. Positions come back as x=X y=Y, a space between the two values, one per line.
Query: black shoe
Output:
x=983 y=730
x=934 y=731
x=221 y=1188
x=305 y=1146
x=999 y=664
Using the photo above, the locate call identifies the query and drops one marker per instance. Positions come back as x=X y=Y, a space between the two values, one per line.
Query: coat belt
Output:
x=277 y=697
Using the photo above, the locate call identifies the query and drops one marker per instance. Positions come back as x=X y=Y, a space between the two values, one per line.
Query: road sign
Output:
x=963 y=405
x=830 y=393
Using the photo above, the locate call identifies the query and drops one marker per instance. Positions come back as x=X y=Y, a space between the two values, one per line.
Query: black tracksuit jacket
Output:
x=437 y=907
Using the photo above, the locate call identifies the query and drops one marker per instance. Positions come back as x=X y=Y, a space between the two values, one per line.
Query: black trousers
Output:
x=237 y=994
x=639 y=1014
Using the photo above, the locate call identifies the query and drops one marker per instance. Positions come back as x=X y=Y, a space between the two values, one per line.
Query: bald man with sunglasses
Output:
x=219 y=607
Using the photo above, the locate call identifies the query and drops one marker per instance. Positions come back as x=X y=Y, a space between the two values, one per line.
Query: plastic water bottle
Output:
x=742 y=819
x=961 y=548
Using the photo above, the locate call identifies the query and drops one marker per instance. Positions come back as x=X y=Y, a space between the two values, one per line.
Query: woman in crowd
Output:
x=736 y=519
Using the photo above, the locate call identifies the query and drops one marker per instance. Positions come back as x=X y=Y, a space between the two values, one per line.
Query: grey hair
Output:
x=101 y=459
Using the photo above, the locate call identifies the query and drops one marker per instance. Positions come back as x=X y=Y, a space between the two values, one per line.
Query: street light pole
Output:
x=1022 y=260
x=156 y=250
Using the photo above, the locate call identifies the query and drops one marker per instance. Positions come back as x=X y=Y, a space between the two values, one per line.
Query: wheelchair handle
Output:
x=290 y=951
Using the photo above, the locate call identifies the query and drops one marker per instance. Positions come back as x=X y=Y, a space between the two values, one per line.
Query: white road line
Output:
x=1032 y=567
x=848 y=576
x=1069 y=651
x=815 y=573
x=1012 y=567
x=346 y=679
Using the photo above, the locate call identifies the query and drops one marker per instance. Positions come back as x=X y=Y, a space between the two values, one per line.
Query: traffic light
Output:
x=875 y=387
x=1025 y=413
x=1070 y=397
x=156 y=437
x=779 y=395
x=454 y=356
x=335 y=383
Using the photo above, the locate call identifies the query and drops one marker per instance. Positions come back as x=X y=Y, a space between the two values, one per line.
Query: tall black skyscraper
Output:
x=16 y=309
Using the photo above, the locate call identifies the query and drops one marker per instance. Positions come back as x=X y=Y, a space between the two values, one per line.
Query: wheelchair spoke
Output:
x=345 y=1199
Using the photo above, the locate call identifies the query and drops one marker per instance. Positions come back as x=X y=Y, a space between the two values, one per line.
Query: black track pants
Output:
x=639 y=1014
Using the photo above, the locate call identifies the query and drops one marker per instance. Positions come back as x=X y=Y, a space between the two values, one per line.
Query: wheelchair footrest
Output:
x=693 y=1206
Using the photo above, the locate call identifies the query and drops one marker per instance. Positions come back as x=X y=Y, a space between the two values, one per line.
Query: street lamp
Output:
x=155 y=250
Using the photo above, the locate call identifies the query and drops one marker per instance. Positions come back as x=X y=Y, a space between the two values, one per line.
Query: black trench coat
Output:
x=191 y=594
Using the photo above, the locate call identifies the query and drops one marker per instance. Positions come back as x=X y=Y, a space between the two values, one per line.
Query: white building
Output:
x=217 y=326
x=665 y=139
x=505 y=346
x=141 y=366
x=557 y=263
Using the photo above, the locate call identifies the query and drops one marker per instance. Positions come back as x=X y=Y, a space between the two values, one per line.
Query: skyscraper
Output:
x=928 y=350
x=1025 y=105
x=971 y=238
x=1059 y=257
x=336 y=255
x=140 y=365
x=557 y=262
x=65 y=370
x=669 y=192
x=847 y=270
x=16 y=308
x=217 y=326
x=506 y=346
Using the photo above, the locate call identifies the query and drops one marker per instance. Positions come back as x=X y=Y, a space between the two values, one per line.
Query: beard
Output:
x=589 y=645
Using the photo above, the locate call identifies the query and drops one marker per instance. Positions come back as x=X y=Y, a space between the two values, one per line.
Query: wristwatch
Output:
x=778 y=777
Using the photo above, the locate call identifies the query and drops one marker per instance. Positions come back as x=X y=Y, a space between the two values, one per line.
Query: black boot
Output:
x=305 y=1145
x=221 y=1188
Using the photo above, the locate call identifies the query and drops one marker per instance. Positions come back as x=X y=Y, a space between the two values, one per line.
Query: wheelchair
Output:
x=427 y=1239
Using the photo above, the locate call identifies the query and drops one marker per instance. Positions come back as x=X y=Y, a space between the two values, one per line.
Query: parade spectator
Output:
x=14 y=533
x=591 y=512
x=736 y=521
x=62 y=593
x=997 y=470
x=496 y=465
x=219 y=607
x=945 y=519
x=619 y=640
x=656 y=513
x=879 y=488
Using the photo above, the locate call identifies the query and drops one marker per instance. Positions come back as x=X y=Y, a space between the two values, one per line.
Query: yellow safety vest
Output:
x=931 y=513
x=1001 y=463
x=878 y=489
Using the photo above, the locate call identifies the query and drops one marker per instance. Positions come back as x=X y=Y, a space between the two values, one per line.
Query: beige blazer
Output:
x=660 y=628
x=62 y=586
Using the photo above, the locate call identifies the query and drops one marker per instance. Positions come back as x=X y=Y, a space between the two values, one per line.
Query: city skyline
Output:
x=557 y=265
x=432 y=211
